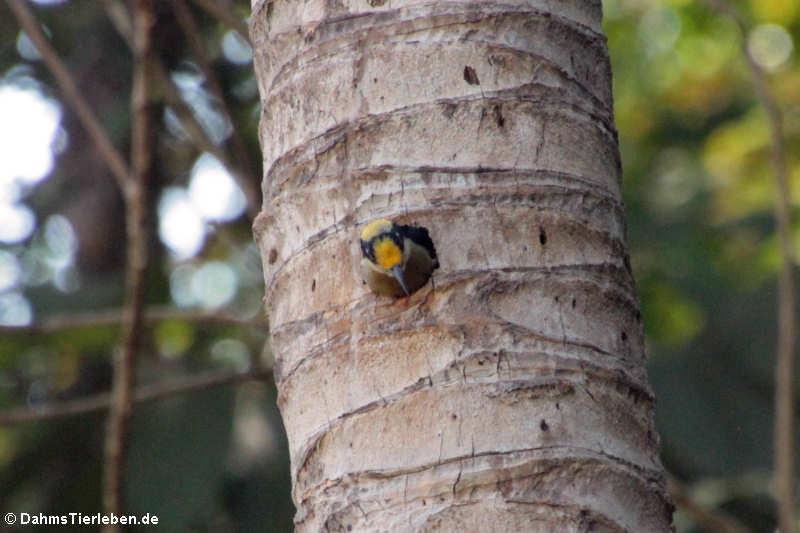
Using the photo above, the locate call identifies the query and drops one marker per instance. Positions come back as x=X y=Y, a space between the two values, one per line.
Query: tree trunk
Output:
x=512 y=394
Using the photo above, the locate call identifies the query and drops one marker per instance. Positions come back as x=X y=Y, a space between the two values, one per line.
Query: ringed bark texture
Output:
x=512 y=396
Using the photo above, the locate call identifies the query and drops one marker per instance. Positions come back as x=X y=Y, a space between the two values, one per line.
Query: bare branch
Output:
x=136 y=225
x=712 y=521
x=222 y=12
x=71 y=93
x=112 y=317
x=117 y=13
x=202 y=140
x=184 y=16
x=145 y=394
x=242 y=173
x=787 y=322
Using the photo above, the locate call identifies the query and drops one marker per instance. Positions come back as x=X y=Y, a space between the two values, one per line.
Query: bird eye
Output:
x=366 y=250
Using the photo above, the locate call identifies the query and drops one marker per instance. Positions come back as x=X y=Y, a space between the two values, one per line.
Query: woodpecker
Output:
x=397 y=260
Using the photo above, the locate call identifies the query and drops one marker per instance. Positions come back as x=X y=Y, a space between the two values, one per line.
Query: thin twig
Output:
x=71 y=93
x=187 y=23
x=220 y=11
x=242 y=174
x=113 y=317
x=136 y=225
x=787 y=322
x=117 y=13
x=144 y=394
x=712 y=521
x=203 y=141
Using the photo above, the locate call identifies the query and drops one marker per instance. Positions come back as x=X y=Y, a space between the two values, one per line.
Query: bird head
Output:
x=382 y=244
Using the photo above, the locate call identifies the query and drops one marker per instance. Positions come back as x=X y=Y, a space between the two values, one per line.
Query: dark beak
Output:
x=398 y=274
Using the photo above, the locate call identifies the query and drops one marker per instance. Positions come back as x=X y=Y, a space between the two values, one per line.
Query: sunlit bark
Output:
x=513 y=395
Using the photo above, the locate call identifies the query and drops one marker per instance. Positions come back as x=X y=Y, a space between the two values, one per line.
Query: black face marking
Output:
x=397 y=237
x=366 y=250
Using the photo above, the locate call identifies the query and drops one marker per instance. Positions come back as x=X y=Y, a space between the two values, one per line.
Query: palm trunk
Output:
x=513 y=396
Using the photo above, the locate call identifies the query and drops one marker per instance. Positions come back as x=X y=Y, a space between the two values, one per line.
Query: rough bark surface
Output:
x=513 y=395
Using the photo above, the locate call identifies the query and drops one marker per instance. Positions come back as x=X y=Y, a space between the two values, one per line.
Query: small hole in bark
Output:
x=273 y=256
x=558 y=406
x=470 y=76
x=313 y=285
x=454 y=416
x=624 y=336
x=480 y=363
x=573 y=303
x=542 y=237
x=498 y=116
x=448 y=110
x=556 y=298
x=543 y=425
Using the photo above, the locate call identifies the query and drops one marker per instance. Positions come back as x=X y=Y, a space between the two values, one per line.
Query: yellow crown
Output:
x=375 y=228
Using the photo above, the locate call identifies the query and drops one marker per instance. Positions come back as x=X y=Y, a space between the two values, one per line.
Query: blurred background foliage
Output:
x=698 y=190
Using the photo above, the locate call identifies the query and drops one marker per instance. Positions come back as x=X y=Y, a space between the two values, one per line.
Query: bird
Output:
x=396 y=260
